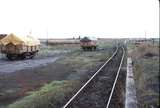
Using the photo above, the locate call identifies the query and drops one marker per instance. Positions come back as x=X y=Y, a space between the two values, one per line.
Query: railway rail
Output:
x=98 y=90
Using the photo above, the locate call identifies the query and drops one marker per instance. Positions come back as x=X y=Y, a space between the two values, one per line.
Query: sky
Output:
x=73 y=18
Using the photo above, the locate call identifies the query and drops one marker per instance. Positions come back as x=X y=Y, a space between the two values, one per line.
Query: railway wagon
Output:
x=88 y=43
x=15 y=47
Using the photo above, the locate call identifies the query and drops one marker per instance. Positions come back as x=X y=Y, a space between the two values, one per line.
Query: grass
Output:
x=54 y=94
x=51 y=95
x=106 y=43
x=51 y=50
x=85 y=59
x=146 y=72
x=142 y=50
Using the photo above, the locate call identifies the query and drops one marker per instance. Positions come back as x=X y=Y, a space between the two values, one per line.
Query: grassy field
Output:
x=146 y=71
x=67 y=75
x=60 y=41
x=61 y=46
x=51 y=50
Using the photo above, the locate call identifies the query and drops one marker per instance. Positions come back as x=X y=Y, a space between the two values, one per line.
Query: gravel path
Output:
x=13 y=66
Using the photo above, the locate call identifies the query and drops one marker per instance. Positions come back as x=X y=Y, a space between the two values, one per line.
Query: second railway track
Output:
x=98 y=90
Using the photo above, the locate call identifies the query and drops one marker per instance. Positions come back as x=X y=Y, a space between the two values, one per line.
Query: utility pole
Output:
x=153 y=40
x=145 y=36
x=30 y=32
x=47 y=37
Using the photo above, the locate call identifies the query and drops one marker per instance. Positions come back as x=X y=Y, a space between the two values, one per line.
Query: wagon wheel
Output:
x=22 y=56
x=27 y=55
x=84 y=48
x=11 y=56
x=32 y=55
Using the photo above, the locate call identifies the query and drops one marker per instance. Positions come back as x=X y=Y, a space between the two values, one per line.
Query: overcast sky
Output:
x=68 y=18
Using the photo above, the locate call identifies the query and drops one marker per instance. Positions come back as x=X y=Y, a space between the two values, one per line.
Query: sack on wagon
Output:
x=17 y=46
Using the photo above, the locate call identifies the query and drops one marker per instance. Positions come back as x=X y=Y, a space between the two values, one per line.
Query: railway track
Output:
x=98 y=90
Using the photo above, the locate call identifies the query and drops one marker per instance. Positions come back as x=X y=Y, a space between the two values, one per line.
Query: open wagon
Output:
x=15 y=47
x=88 y=43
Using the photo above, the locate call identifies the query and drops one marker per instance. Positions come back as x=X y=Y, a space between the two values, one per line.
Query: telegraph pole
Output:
x=47 y=37
x=145 y=36
x=30 y=32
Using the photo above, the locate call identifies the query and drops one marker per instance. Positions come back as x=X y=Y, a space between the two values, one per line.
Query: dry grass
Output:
x=50 y=96
x=52 y=50
x=144 y=50
x=147 y=81
x=146 y=71
x=63 y=41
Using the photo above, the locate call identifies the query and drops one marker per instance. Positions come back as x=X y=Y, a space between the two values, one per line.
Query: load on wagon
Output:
x=15 y=47
x=2 y=36
x=88 y=43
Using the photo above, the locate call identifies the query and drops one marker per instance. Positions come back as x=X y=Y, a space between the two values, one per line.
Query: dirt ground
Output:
x=7 y=66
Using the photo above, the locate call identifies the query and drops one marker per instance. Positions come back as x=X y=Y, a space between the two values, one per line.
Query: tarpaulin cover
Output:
x=17 y=40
